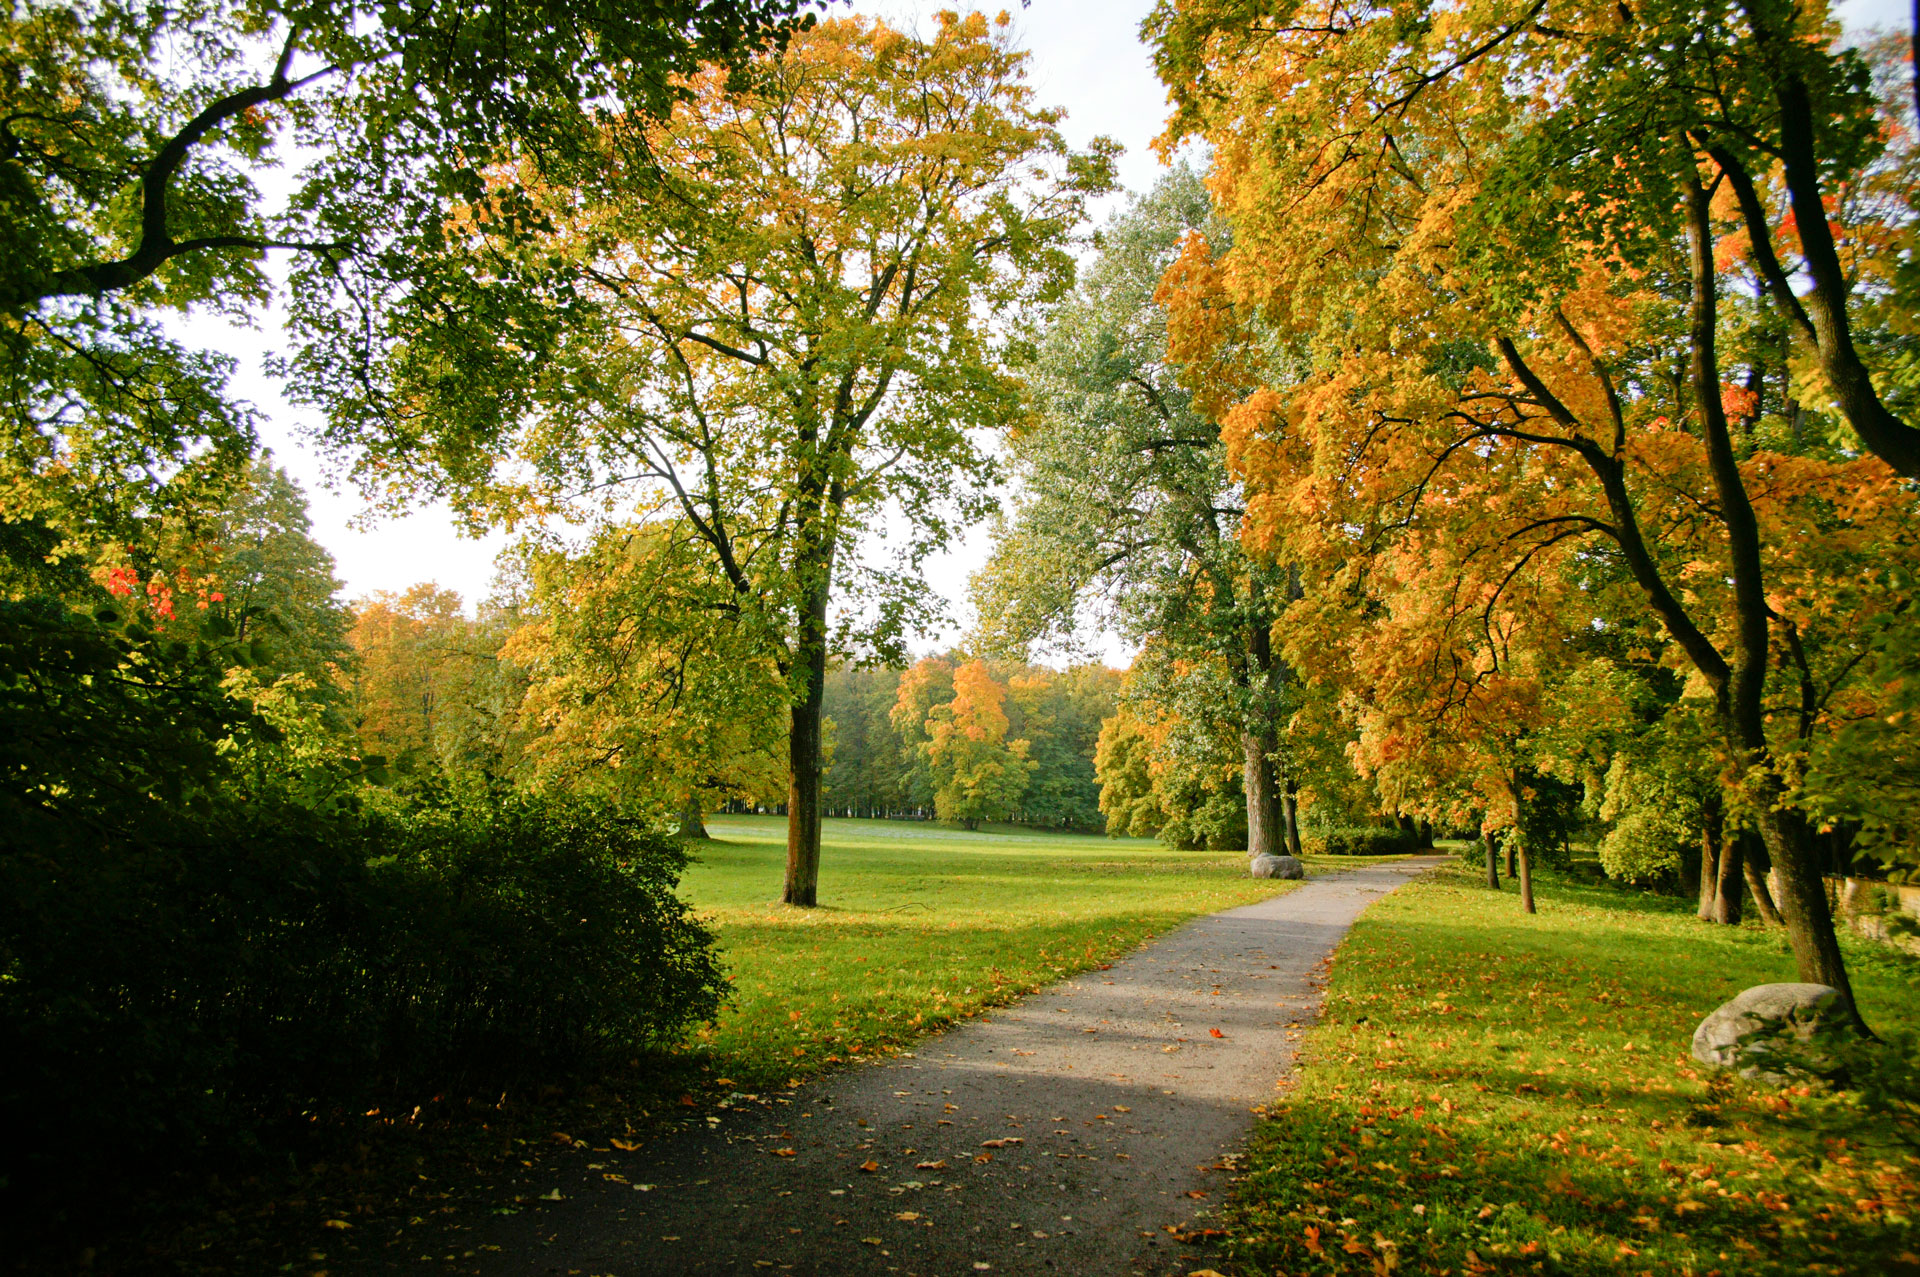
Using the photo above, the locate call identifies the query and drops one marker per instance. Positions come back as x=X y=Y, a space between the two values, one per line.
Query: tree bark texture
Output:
x=1739 y=692
x=1512 y=845
x=1709 y=882
x=1493 y=861
x=1264 y=835
x=804 y=753
x=1290 y=817
x=692 y=824
x=1752 y=864
x=1526 y=875
x=1726 y=889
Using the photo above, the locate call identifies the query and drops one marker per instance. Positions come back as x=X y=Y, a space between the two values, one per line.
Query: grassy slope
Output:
x=1490 y=1092
x=922 y=925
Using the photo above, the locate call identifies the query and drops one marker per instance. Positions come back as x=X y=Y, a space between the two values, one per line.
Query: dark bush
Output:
x=193 y=983
x=1360 y=841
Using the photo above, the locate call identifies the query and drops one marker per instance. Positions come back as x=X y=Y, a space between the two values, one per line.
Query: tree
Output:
x=132 y=138
x=641 y=682
x=978 y=774
x=1127 y=505
x=430 y=691
x=1480 y=371
x=779 y=331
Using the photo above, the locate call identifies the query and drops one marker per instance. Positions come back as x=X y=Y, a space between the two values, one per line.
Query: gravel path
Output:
x=1083 y=1130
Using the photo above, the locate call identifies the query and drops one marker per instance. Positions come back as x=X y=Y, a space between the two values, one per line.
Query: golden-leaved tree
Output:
x=783 y=322
x=1494 y=345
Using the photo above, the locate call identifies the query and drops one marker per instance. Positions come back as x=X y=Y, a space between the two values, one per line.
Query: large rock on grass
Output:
x=1744 y=1034
x=1277 y=867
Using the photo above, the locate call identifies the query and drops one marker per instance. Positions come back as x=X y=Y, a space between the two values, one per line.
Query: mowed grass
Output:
x=1495 y=1093
x=921 y=925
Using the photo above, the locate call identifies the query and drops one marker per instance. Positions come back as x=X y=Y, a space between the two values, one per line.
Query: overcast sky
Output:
x=1086 y=57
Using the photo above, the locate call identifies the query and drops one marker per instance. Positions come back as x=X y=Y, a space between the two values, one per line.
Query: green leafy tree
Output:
x=133 y=139
x=1128 y=509
x=782 y=328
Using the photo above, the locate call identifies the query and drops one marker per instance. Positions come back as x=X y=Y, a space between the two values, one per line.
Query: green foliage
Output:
x=132 y=140
x=1359 y=841
x=189 y=983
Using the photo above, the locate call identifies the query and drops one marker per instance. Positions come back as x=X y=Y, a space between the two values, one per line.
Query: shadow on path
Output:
x=1066 y=1133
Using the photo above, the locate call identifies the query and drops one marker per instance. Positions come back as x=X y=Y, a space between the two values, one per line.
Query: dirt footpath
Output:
x=1084 y=1130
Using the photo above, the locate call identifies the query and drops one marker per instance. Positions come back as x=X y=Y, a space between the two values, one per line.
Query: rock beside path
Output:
x=1277 y=867
x=1795 y=1009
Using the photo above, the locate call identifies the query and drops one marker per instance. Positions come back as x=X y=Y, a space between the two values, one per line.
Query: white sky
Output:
x=1086 y=57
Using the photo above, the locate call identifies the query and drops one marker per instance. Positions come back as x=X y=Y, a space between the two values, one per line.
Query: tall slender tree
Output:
x=1127 y=508
x=780 y=330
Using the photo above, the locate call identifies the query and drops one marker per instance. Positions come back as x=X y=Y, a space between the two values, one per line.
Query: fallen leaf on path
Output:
x=869 y=1167
x=1121 y=1108
x=1196 y=1194
x=1217 y=1033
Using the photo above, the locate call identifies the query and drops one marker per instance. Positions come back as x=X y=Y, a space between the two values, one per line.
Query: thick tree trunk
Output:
x=1264 y=836
x=1803 y=901
x=1493 y=861
x=1788 y=839
x=1726 y=887
x=1512 y=844
x=692 y=825
x=804 y=754
x=1526 y=876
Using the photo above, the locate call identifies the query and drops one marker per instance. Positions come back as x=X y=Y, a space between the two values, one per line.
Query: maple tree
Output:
x=1479 y=411
x=777 y=329
x=978 y=774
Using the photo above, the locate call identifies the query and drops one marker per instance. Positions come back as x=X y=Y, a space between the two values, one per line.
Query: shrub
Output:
x=195 y=982
x=1359 y=841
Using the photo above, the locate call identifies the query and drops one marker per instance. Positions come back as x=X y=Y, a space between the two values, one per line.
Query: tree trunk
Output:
x=1803 y=901
x=691 y=823
x=1512 y=845
x=1264 y=837
x=1493 y=861
x=1755 y=865
x=804 y=753
x=1526 y=875
x=1726 y=888
x=1290 y=817
x=1709 y=884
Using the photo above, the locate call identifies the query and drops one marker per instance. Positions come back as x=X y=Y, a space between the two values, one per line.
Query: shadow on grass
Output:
x=1493 y=1092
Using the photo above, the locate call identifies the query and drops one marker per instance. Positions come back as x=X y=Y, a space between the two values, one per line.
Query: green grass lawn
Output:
x=920 y=925
x=1495 y=1093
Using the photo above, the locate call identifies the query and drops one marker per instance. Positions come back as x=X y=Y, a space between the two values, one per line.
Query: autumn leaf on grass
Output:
x=869 y=1166
x=1002 y=1143
x=931 y=1166
x=626 y=1146
x=1312 y=1235
x=783 y=1152
x=338 y=1223
x=908 y=1215
x=982 y=1157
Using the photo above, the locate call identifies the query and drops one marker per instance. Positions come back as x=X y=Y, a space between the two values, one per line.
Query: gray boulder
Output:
x=1773 y=1011
x=1277 y=867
